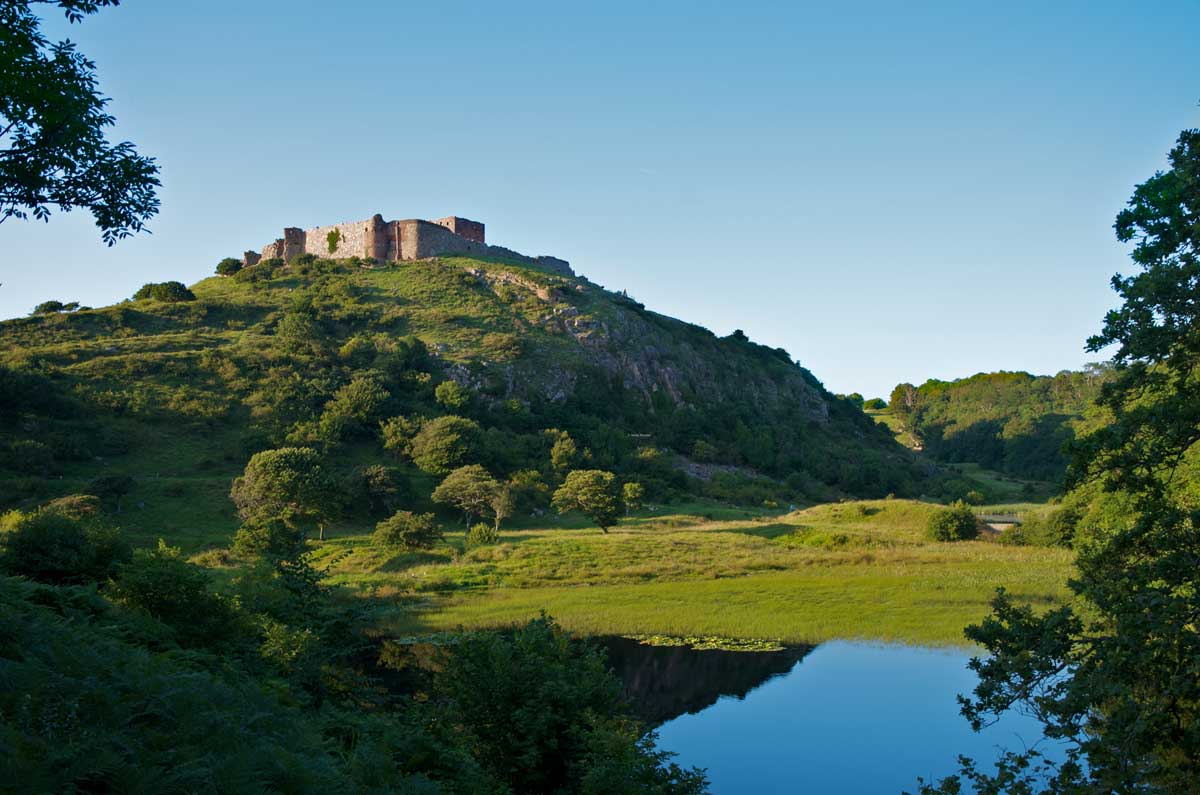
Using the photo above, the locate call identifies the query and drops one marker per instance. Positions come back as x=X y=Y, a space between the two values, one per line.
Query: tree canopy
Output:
x=53 y=149
x=592 y=492
x=289 y=483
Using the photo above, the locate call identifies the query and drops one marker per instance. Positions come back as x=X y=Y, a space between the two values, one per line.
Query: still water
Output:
x=838 y=718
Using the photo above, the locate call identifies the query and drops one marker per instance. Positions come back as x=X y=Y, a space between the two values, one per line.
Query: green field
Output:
x=846 y=570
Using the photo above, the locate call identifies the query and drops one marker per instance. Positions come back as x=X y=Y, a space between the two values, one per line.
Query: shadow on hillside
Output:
x=407 y=560
x=1032 y=449
x=767 y=531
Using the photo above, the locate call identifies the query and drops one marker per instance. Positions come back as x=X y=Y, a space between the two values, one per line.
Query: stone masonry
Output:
x=386 y=241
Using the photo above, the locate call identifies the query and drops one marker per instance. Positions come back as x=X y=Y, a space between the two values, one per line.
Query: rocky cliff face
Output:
x=654 y=354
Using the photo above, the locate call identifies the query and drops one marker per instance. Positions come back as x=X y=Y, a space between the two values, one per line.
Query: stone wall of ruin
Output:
x=386 y=241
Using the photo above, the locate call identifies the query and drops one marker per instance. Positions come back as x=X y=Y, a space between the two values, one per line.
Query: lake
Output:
x=838 y=718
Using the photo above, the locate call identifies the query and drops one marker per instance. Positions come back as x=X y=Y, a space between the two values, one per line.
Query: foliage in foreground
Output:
x=164 y=684
x=53 y=117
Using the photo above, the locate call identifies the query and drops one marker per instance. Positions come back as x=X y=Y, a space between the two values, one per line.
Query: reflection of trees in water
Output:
x=664 y=682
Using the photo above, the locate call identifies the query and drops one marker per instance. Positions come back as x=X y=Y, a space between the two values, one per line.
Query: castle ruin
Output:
x=387 y=241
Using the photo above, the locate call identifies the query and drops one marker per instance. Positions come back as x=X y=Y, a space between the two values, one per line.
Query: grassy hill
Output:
x=157 y=405
x=177 y=395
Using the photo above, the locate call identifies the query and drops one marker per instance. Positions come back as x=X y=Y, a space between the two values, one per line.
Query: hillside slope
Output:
x=553 y=372
x=1013 y=422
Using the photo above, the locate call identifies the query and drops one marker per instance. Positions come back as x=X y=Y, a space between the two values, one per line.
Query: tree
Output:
x=592 y=492
x=170 y=292
x=469 y=488
x=49 y=308
x=407 y=530
x=52 y=123
x=451 y=395
x=903 y=400
x=1115 y=676
x=298 y=332
x=354 y=407
x=287 y=483
x=381 y=489
x=228 y=266
x=445 y=443
x=956 y=523
x=564 y=454
x=632 y=495
x=397 y=434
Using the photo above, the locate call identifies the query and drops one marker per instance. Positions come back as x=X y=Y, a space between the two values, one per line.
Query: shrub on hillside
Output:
x=162 y=584
x=171 y=292
x=955 y=523
x=288 y=483
x=299 y=332
x=446 y=443
x=875 y=404
x=267 y=537
x=75 y=506
x=56 y=545
x=28 y=456
x=408 y=530
x=263 y=271
x=482 y=534
x=381 y=489
x=228 y=266
x=54 y=307
x=451 y=395
x=1056 y=529
x=354 y=407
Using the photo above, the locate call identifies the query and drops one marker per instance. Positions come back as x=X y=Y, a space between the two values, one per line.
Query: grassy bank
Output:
x=846 y=570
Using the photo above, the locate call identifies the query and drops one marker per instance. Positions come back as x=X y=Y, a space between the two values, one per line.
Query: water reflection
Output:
x=664 y=682
x=841 y=718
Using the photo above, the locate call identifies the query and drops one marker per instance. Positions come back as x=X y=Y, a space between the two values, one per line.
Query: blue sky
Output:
x=889 y=191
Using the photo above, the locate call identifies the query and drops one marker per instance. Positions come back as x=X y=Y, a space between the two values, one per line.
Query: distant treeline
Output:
x=1016 y=423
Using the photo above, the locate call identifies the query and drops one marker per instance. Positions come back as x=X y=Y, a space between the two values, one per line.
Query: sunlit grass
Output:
x=846 y=570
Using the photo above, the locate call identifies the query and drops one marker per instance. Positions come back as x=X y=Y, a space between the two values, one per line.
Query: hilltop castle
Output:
x=385 y=241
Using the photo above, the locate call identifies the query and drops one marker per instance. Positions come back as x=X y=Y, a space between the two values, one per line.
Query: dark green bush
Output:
x=408 y=530
x=57 y=545
x=267 y=537
x=228 y=266
x=162 y=584
x=446 y=443
x=481 y=534
x=171 y=292
x=49 y=308
x=382 y=490
x=955 y=523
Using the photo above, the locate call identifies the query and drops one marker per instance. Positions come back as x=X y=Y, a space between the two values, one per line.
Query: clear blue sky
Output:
x=890 y=191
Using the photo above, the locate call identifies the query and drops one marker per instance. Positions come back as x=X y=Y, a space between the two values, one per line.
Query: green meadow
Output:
x=861 y=570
